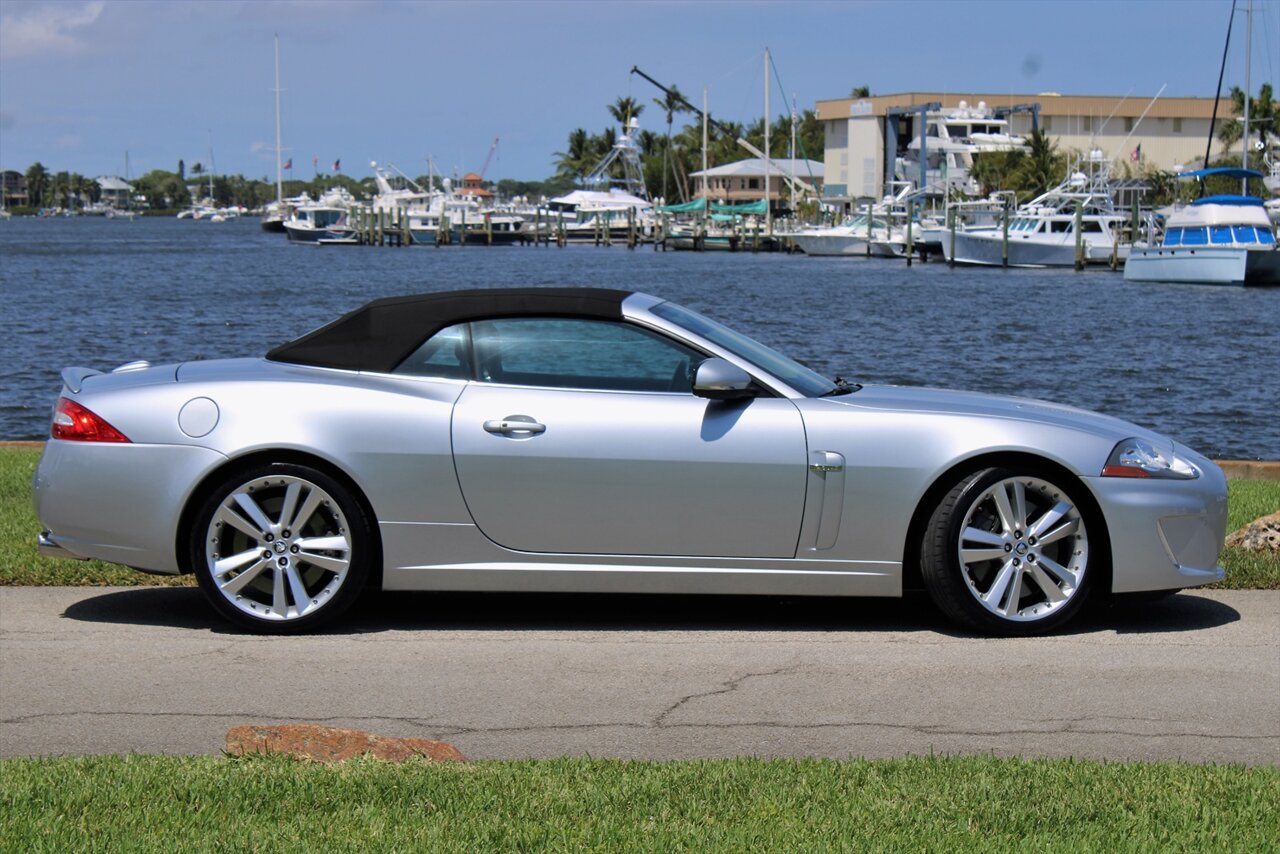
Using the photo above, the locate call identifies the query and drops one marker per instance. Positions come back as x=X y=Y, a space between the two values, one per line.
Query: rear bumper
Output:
x=49 y=547
x=120 y=503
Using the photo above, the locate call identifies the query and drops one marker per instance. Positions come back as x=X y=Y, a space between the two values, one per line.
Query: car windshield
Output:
x=794 y=374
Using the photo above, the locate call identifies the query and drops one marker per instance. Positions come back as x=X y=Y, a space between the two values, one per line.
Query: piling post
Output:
x=870 y=219
x=1079 y=237
x=488 y=228
x=951 y=227
x=910 y=247
x=1004 y=235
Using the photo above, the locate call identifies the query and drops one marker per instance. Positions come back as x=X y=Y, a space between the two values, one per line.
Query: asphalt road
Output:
x=110 y=670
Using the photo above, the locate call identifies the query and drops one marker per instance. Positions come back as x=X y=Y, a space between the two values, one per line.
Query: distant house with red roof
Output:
x=473 y=185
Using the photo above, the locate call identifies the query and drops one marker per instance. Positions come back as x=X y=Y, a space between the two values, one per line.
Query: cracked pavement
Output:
x=112 y=670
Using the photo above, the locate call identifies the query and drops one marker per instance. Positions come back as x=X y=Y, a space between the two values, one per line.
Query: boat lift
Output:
x=891 y=117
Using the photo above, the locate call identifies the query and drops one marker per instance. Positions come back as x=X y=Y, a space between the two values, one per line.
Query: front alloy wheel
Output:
x=281 y=548
x=1008 y=553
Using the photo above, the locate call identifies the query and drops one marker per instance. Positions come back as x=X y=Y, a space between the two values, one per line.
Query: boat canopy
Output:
x=1223 y=172
x=698 y=205
x=1243 y=201
x=756 y=208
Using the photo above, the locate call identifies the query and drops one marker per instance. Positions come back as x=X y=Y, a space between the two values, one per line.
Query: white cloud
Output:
x=46 y=28
x=68 y=141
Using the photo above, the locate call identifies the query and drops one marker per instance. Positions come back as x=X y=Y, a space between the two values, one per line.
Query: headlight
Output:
x=1140 y=458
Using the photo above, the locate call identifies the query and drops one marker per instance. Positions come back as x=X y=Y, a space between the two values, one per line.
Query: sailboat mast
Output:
x=279 y=170
x=1248 y=51
x=705 y=199
x=793 y=154
x=768 y=209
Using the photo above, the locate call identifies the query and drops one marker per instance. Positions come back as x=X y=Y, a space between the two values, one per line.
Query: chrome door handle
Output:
x=514 y=424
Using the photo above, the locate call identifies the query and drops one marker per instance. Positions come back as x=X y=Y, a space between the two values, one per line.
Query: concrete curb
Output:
x=1235 y=469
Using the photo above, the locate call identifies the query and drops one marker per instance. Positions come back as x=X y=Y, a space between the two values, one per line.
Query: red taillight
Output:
x=74 y=423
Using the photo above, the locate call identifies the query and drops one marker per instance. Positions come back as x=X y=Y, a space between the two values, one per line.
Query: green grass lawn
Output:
x=142 y=803
x=20 y=563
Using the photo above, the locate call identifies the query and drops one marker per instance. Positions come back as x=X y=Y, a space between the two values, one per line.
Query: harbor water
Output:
x=1197 y=363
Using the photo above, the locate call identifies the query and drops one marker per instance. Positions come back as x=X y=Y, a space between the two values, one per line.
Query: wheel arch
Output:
x=942 y=484
x=267 y=457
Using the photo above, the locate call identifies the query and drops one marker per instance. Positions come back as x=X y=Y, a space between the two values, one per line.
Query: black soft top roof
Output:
x=380 y=335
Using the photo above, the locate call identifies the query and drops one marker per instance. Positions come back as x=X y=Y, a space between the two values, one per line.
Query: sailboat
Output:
x=275 y=213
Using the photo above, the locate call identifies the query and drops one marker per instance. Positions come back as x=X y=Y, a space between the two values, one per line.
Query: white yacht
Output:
x=1042 y=233
x=1216 y=240
x=952 y=138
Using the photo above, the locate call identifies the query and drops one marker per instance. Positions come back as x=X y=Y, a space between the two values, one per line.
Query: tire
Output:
x=1006 y=552
x=281 y=548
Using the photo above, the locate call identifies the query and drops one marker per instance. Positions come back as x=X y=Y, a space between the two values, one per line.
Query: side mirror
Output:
x=720 y=380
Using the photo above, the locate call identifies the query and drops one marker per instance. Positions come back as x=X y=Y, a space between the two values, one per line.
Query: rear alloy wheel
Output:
x=281 y=548
x=1007 y=553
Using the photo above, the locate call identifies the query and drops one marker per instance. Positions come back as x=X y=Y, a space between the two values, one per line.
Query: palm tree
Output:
x=1043 y=167
x=572 y=162
x=672 y=102
x=1262 y=117
x=625 y=109
x=59 y=187
x=37 y=180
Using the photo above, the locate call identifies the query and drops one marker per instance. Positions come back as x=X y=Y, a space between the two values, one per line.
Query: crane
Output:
x=492 y=149
x=791 y=179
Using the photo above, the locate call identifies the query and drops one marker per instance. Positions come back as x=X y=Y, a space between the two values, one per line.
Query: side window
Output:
x=580 y=353
x=445 y=355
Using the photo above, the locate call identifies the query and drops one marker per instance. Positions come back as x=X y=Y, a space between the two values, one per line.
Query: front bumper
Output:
x=1165 y=534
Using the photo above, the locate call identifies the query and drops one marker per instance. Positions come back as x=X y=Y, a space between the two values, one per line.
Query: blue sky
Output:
x=83 y=81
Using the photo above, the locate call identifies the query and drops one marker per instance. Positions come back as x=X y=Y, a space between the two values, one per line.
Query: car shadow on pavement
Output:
x=451 y=611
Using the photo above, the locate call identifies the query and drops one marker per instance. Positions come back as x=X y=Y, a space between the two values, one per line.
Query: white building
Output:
x=114 y=192
x=859 y=130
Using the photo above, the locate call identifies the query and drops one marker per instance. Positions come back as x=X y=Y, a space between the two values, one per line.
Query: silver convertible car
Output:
x=599 y=440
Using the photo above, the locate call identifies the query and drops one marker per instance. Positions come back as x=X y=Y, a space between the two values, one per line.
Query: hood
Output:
x=944 y=401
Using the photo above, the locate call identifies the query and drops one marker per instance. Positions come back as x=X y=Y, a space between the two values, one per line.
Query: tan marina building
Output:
x=860 y=131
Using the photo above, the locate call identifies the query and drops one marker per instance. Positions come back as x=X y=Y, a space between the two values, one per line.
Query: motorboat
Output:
x=880 y=231
x=324 y=220
x=1216 y=240
x=1043 y=232
x=849 y=238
